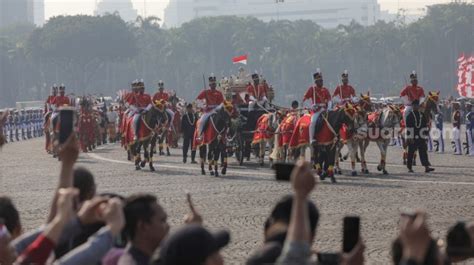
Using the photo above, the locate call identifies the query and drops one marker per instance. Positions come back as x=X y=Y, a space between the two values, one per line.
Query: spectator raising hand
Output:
x=415 y=237
x=112 y=214
x=193 y=217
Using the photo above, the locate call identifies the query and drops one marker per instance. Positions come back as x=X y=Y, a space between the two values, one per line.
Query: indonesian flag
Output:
x=240 y=59
x=465 y=85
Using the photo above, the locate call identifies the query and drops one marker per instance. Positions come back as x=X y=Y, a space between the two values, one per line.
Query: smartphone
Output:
x=66 y=122
x=329 y=258
x=283 y=171
x=351 y=232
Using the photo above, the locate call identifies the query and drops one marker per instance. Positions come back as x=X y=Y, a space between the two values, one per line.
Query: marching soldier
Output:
x=188 y=126
x=11 y=126
x=320 y=99
x=469 y=128
x=416 y=135
x=17 y=124
x=23 y=122
x=213 y=99
x=439 y=126
x=345 y=92
x=257 y=92
x=411 y=93
x=456 y=119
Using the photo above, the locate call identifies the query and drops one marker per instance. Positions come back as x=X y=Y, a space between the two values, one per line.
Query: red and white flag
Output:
x=240 y=59
x=465 y=85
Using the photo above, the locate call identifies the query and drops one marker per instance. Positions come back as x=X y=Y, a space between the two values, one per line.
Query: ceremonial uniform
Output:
x=456 y=118
x=257 y=93
x=214 y=99
x=469 y=131
x=321 y=101
x=411 y=93
x=161 y=95
x=188 y=126
x=416 y=137
x=439 y=126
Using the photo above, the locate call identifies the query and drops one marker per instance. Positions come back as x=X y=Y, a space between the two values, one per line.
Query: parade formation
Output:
x=236 y=117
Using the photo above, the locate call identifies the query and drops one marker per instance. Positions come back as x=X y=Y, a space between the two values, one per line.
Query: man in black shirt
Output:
x=417 y=132
x=188 y=125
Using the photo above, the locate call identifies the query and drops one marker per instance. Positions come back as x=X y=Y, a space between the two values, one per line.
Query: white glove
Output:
x=252 y=98
x=405 y=100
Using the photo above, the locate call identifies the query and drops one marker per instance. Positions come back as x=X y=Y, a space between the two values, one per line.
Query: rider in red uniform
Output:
x=138 y=102
x=213 y=98
x=162 y=95
x=411 y=93
x=49 y=102
x=344 y=93
x=61 y=100
x=321 y=100
x=257 y=92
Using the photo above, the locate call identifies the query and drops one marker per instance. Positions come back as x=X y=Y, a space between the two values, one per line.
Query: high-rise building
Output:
x=21 y=11
x=13 y=11
x=327 y=13
x=38 y=12
x=123 y=7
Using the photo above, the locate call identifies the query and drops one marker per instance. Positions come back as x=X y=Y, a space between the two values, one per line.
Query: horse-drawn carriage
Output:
x=244 y=123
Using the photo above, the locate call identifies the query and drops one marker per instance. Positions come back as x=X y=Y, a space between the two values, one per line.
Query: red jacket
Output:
x=318 y=95
x=213 y=98
x=259 y=92
x=413 y=93
x=344 y=92
x=60 y=101
x=161 y=95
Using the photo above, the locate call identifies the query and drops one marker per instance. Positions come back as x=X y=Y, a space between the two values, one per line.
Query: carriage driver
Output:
x=213 y=99
x=257 y=92
x=320 y=99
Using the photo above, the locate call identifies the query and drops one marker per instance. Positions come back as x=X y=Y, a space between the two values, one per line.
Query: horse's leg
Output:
x=152 y=143
x=215 y=160
x=202 y=155
x=351 y=145
x=329 y=163
x=168 y=143
x=145 y=155
x=224 y=159
x=261 y=152
x=383 y=155
x=363 y=147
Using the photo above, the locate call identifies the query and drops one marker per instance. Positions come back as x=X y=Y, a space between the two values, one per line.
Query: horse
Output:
x=48 y=133
x=281 y=151
x=324 y=151
x=428 y=106
x=381 y=126
x=354 y=140
x=212 y=144
x=264 y=134
x=150 y=121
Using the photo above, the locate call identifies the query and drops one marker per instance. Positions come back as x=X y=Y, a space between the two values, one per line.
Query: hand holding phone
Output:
x=351 y=232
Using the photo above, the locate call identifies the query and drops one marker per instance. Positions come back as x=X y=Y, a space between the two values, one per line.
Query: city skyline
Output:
x=156 y=7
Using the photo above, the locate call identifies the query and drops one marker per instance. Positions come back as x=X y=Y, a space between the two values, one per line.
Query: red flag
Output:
x=240 y=59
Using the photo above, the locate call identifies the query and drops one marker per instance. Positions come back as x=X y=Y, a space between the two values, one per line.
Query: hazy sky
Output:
x=155 y=7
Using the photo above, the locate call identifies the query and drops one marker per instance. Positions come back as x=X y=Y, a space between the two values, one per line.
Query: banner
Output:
x=465 y=85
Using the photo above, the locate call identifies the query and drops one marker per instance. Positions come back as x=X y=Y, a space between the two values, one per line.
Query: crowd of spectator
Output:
x=85 y=226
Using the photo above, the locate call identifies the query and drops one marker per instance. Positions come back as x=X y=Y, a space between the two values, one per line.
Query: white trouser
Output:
x=204 y=119
x=440 y=140
x=457 y=141
x=171 y=114
x=254 y=102
x=469 y=142
x=408 y=109
x=312 y=125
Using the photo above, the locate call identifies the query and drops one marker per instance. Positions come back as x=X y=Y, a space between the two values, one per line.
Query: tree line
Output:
x=100 y=55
